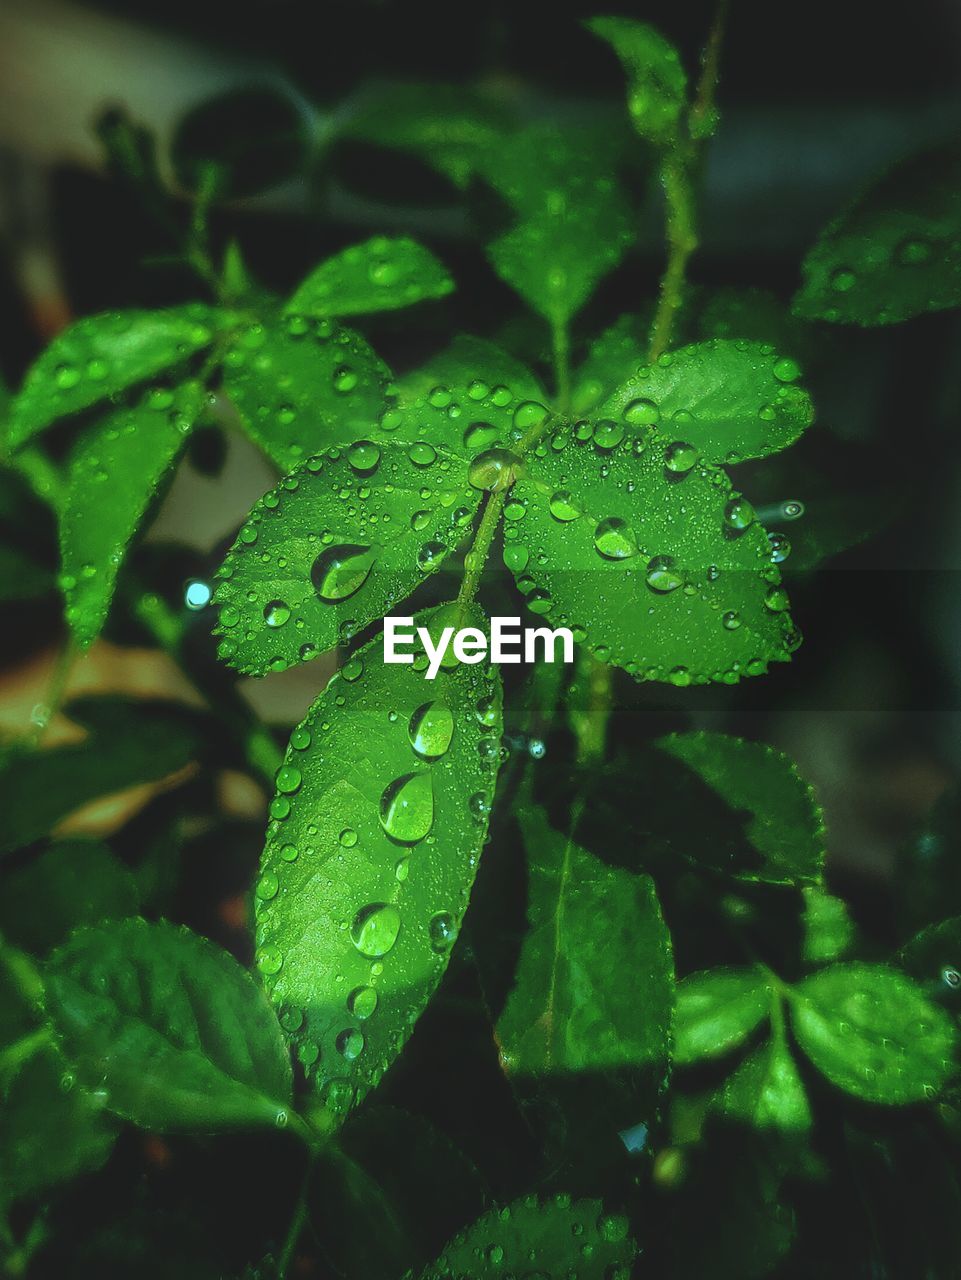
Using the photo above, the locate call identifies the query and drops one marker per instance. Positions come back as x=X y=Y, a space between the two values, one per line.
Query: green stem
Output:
x=476 y=558
x=23 y=973
x=297 y=1222
x=702 y=111
x=562 y=365
x=20 y=1051
x=681 y=243
x=45 y=711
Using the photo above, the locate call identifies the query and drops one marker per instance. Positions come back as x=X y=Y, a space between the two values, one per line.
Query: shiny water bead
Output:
x=375 y=928
x=340 y=571
x=614 y=539
x=407 y=808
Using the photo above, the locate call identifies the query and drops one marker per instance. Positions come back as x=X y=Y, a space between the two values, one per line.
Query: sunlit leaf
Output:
x=380 y=275
x=115 y=470
x=380 y=817
x=336 y=546
x=571 y=1007
x=895 y=252
x=656 y=82
x=648 y=556
x=169 y=1027
x=101 y=356
x=729 y=399
x=766 y=1090
x=782 y=819
x=873 y=1033
x=716 y=1011
x=300 y=385
x=553 y=1239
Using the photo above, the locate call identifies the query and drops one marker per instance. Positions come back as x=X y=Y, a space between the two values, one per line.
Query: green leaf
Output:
x=829 y=931
x=716 y=1011
x=170 y=1027
x=115 y=470
x=553 y=1239
x=134 y=742
x=485 y=384
x=766 y=1091
x=662 y=571
x=730 y=399
x=74 y=882
x=102 y=356
x=379 y=820
x=575 y=223
x=614 y=356
x=656 y=81
x=380 y=275
x=873 y=1033
x=301 y=385
x=573 y=1006
x=933 y=958
x=895 y=252
x=336 y=546
x=450 y=126
x=783 y=821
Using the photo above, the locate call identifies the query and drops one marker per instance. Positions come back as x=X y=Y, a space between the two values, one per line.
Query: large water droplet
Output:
x=431 y=729
x=662 y=575
x=375 y=929
x=443 y=931
x=362 y=1002
x=494 y=470
x=407 y=808
x=340 y=571
x=563 y=507
x=614 y=539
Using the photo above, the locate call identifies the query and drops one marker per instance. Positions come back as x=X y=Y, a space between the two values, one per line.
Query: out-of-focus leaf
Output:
x=716 y=1011
x=614 y=356
x=484 y=383
x=380 y=275
x=766 y=1091
x=656 y=81
x=101 y=356
x=116 y=469
x=170 y=1028
x=379 y=819
x=895 y=252
x=828 y=929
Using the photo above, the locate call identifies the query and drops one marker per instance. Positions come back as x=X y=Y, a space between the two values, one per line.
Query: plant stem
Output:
x=703 y=107
x=562 y=365
x=476 y=558
x=297 y=1221
x=22 y=1050
x=681 y=242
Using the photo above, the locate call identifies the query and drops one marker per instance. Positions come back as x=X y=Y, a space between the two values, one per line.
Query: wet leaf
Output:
x=170 y=1028
x=484 y=381
x=613 y=357
x=895 y=252
x=782 y=819
x=380 y=275
x=572 y=1007
x=115 y=470
x=829 y=931
x=379 y=820
x=336 y=546
x=873 y=1033
x=659 y=566
x=656 y=82
x=301 y=385
x=716 y=1011
x=729 y=399
x=766 y=1090
x=101 y=356
x=552 y=1239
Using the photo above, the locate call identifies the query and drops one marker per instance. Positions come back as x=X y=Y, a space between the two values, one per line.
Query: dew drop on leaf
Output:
x=407 y=808
x=362 y=1002
x=431 y=729
x=375 y=929
x=340 y=571
x=662 y=575
x=443 y=931
x=614 y=539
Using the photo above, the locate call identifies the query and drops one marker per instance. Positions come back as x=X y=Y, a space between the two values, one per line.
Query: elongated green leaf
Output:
x=573 y=1006
x=335 y=546
x=481 y=379
x=449 y=126
x=658 y=565
x=379 y=820
x=138 y=741
x=614 y=356
x=380 y=275
x=895 y=252
x=101 y=356
x=716 y=1010
x=728 y=398
x=74 y=882
x=50 y=1128
x=115 y=471
x=766 y=1091
x=300 y=385
x=170 y=1028
x=656 y=82
x=553 y=1239
x=784 y=822
x=873 y=1033
x=575 y=223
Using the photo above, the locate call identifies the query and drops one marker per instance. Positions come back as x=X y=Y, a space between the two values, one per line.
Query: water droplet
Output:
x=422 y=454
x=776 y=599
x=563 y=507
x=340 y=571
x=276 y=613
x=363 y=456
x=362 y=1002
x=662 y=575
x=731 y=620
x=345 y=379
x=443 y=931
x=494 y=470
x=479 y=436
x=350 y=1043
x=270 y=959
x=786 y=370
x=407 y=808
x=641 y=413
x=738 y=514
x=300 y=739
x=430 y=555
x=608 y=434
x=780 y=547
x=348 y=837
x=431 y=729
x=288 y=779
x=530 y=414
x=843 y=279
x=375 y=929
x=614 y=539
x=680 y=457
x=267 y=886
